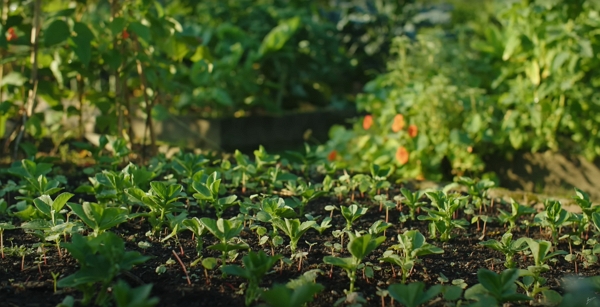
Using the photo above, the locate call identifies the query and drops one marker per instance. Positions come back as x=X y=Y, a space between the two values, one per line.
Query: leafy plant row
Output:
x=207 y=197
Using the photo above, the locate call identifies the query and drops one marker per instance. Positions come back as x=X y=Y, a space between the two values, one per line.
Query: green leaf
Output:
x=204 y=193
x=279 y=35
x=513 y=42
x=13 y=78
x=227 y=200
x=236 y=270
x=452 y=293
x=99 y=217
x=364 y=245
x=413 y=294
x=125 y=296
x=141 y=31
x=60 y=201
x=57 y=32
x=344 y=263
x=117 y=25
x=282 y=296
x=82 y=42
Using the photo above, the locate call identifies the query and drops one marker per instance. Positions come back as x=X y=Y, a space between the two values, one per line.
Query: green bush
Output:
x=517 y=76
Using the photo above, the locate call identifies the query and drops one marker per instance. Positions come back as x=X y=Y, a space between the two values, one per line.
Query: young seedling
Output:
x=308 y=193
x=325 y=224
x=441 y=216
x=99 y=217
x=51 y=208
x=362 y=182
x=508 y=247
x=587 y=256
x=352 y=213
x=359 y=248
x=243 y=171
x=55 y=279
x=264 y=159
x=331 y=209
x=501 y=287
x=188 y=164
x=411 y=245
x=540 y=251
x=207 y=191
x=554 y=217
x=340 y=191
x=378 y=227
x=34 y=181
x=517 y=210
x=412 y=201
x=53 y=226
x=256 y=265
x=4 y=226
x=100 y=260
x=486 y=219
x=225 y=231
x=477 y=189
x=197 y=228
x=587 y=209
x=161 y=199
x=327 y=184
x=274 y=207
x=176 y=225
x=380 y=175
x=293 y=229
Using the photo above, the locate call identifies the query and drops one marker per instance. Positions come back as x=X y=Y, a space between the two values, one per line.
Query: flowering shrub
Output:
x=417 y=116
x=526 y=81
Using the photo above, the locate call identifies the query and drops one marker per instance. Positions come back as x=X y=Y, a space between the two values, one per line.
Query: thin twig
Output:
x=183 y=266
x=3 y=51
x=149 y=103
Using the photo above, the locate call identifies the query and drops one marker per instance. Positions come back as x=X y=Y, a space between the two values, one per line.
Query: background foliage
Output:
x=507 y=76
x=116 y=59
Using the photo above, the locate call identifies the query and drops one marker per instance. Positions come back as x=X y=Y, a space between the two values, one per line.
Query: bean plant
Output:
x=359 y=248
x=553 y=217
x=100 y=260
x=207 y=192
x=508 y=247
x=441 y=214
x=352 y=213
x=256 y=265
x=533 y=283
x=517 y=211
x=411 y=200
x=225 y=231
x=411 y=245
x=294 y=230
x=501 y=287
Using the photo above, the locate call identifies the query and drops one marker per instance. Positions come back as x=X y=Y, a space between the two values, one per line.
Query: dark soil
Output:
x=32 y=285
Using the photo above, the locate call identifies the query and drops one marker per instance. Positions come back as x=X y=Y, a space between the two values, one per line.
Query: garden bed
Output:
x=27 y=270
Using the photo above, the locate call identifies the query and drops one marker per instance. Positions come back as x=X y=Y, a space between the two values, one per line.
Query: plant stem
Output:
x=183 y=267
x=31 y=101
x=352 y=280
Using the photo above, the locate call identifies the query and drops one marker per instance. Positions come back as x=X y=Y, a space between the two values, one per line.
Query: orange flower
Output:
x=398 y=123
x=413 y=130
x=402 y=155
x=11 y=35
x=332 y=155
x=367 y=122
x=125 y=34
